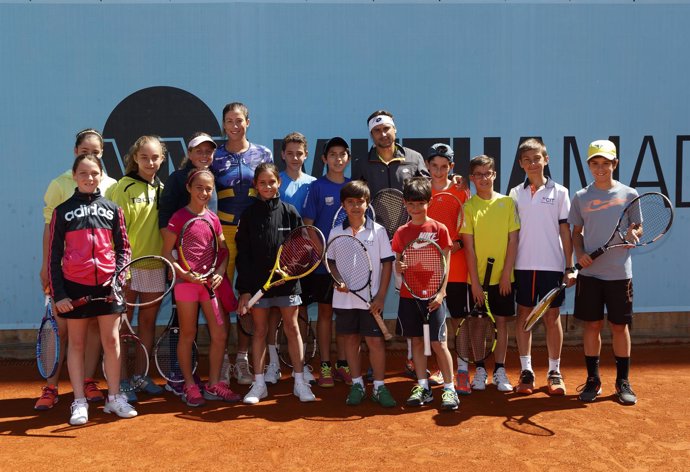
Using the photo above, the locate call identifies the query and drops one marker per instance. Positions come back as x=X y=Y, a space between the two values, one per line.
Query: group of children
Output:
x=527 y=234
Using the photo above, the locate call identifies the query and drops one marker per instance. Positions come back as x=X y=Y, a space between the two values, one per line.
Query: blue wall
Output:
x=484 y=74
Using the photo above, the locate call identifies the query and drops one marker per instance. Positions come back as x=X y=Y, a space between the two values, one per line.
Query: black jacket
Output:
x=262 y=228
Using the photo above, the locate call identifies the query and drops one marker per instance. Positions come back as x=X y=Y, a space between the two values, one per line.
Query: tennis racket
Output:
x=644 y=220
x=389 y=208
x=299 y=255
x=341 y=216
x=165 y=351
x=134 y=357
x=150 y=274
x=475 y=338
x=544 y=304
x=198 y=253
x=246 y=324
x=48 y=343
x=424 y=274
x=348 y=262
x=446 y=208
x=308 y=340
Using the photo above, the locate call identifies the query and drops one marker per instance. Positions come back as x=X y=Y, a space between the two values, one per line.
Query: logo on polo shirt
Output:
x=548 y=200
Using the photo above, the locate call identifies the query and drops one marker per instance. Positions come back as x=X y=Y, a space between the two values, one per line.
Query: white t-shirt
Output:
x=539 y=241
x=375 y=239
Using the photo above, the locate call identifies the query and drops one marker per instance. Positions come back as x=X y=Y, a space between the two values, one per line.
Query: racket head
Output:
x=446 y=208
x=475 y=338
x=147 y=274
x=348 y=262
x=198 y=246
x=301 y=252
x=653 y=211
x=308 y=341
x=246 y=323
x=426 y=268
x=390 y=211
x=542 y=307
x=48 y=343
x=134 y=365
x=165 y=356
x=340 y=216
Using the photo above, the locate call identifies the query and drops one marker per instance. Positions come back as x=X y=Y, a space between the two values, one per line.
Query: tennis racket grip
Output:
x=592 y=255
x=427 y=339
x=382 y=325
x=487 y=275
x=81 y=301
x=252 y=301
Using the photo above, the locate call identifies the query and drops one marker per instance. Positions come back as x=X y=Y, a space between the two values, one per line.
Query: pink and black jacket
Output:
x=88 y=242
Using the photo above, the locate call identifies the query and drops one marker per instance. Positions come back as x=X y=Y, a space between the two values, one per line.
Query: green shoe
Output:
x=383 y=397
x=356 y=395
x=449 y=399
x=420 y=396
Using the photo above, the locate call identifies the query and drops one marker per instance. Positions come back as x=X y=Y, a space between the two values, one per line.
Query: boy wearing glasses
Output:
x=490 y=229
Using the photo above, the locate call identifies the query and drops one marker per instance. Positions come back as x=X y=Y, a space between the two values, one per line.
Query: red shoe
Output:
x=91 y=391
x=48 y=398
x=221 y=391
x=342 y=374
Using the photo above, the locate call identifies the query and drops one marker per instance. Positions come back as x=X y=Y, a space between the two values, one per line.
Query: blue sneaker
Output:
x=126 y=389
x=176 y=388
x=149 y=387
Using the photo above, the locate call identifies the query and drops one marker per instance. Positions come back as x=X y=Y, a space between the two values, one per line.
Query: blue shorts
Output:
x=533 y=285
x=410 y=320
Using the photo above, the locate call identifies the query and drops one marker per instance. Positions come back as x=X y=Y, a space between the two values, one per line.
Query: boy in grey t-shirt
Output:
x=607 y=281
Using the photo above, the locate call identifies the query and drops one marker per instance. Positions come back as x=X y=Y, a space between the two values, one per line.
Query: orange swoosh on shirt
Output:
x=598 y=205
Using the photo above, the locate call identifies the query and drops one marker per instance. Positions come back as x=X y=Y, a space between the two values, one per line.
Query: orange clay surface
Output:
x=490 y=431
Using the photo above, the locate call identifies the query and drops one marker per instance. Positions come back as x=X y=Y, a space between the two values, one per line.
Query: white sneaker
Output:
x=120 y=407
x=80 y=413
x=480 y=378
x=256 y=393
x=308 y=376
x=242 y=372
x=501 y=381
x=225 y=372
x=272 y=374
x=303 y=392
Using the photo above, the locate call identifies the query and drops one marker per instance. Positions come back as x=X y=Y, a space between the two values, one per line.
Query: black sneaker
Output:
x=526 y=385
x=420 y=396
x=590 y=390
x=625 y=393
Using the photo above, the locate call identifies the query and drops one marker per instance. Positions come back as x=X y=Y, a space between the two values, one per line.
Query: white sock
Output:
x=449 y=385
x=259 y=379
x=378 y=384
x=241 y=356
x=462 y=365
x=424 y=383
x=409 y=348
x=526 y=362
x=111 y=398
x=555 y=364
x=80 y=400
x=358 y=380
x=272 y=354
x=299 y=377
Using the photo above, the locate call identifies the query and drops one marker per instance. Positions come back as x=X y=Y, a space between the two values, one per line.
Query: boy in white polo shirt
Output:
x=545 y=250
x=353 y=319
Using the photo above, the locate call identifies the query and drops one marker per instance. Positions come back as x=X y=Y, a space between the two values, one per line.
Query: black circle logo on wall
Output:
x=171 y=113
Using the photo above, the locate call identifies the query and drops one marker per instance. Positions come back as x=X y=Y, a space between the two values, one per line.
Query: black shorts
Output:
x=75 y=290
x=532 y=285
x=356 y=321
x=317 y=288
x=457 y=299
x=410 y=320
x=501 y=305
x=592 y=295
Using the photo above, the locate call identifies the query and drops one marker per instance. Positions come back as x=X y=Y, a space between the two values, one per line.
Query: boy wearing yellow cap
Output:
x=607 y=281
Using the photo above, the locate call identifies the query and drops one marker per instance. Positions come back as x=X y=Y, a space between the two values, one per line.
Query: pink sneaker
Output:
x=342 y=374
x=192 y=396
x=222 y=392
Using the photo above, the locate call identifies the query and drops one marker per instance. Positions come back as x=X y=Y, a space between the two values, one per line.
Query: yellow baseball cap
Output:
x=603 y=148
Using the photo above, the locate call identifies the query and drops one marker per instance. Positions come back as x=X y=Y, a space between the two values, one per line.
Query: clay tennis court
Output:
x=490 y=431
